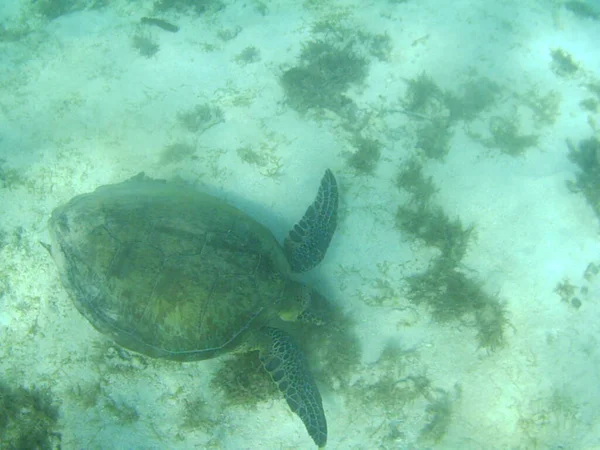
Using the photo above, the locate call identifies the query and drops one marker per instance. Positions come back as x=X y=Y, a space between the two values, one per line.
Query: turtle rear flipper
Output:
x=288 y=368
x=308 y=241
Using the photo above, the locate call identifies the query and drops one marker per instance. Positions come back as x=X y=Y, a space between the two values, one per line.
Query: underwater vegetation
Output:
x=200 y=118
x=544 y=107
x=551 y=418
x=434 y=137
x=592 y=104
x=249 y=55
x=144 y=43
x=87 y=395
x=582 y=10
x=264 y=158
x=334 y=351
x=394 y=389
x=587 y=180
x=251 y=156
x=425 y=221
x=28 y=419
x=411 y=179
x=439 y=416
x=336 y=58
x=376 y=45
x=443 y=287
x=506 y=137
x=9 y=178
x=423 y=95
x=197 y=414
x=425 y=98
x=379 y=45
x=123 y=412
x=243 y=381
x=451 y=295
x=176 y=153
x=474 y=97
x=399 y=387
x=589 y=104
x=332 y=348
x=594 y=88
x=438 y=111
x=562 y=63
x=307 y=88
x=567 y=292
x=326 y=71
x=363 y=160
x=572 y=294
x=430 y=224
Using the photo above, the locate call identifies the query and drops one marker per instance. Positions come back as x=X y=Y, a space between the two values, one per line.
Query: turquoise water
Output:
x=464 y=139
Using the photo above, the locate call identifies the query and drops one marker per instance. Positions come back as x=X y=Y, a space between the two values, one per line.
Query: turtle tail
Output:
x=287 y=366
x=308 y=241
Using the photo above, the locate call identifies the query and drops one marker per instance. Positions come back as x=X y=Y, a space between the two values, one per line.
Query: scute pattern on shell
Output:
x=169 y=271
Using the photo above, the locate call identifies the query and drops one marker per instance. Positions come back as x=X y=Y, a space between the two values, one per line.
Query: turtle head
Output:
x=302 y=303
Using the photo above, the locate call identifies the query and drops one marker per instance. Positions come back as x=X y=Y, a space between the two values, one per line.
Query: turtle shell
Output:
x=166 y=270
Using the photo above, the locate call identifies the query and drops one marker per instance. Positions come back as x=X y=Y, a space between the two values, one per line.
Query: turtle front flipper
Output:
x=307 y=242
x=288 y=368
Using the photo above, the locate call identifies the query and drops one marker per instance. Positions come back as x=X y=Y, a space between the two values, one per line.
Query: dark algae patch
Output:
x=475 y=96
x=200 y=118
x=506 y=137
x=144 y=44
x=9 y=178
x=365 y=156
x=412 y=180
x=425 y=99
x=563 y=63
x=439 y=416
x=242 y=380
x=249 y=55
x=28 y=419
x=430 y=224
x=453 y=296
x=444 y=286
x=434 y=137
x=582 y=10
x=177 y=153
x=422 y=91
x=326 y=71
x=335 y=59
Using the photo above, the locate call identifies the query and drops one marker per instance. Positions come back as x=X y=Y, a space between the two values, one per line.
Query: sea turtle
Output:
x=170 y=272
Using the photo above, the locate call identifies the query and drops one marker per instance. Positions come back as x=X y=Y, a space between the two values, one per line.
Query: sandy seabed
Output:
x=86 y=100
